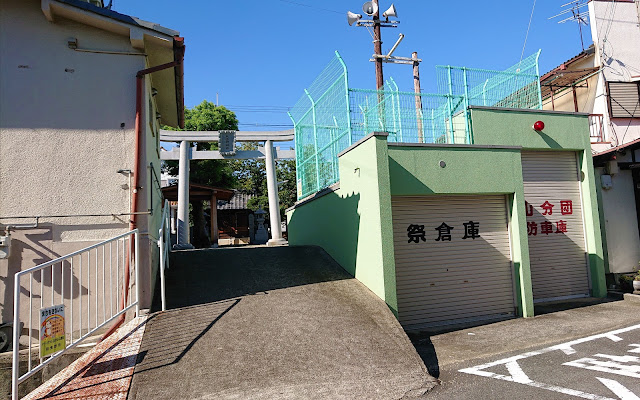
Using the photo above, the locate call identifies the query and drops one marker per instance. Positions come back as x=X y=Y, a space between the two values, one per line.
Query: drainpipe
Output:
x=178 y=50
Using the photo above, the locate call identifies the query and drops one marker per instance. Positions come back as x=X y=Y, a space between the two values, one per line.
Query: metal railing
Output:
x=596 y=128
x=164 y=244
x=88 y=283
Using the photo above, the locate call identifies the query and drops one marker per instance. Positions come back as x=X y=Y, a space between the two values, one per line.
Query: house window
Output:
x=624 y=99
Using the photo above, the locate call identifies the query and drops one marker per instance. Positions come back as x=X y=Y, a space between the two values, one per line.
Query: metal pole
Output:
x=183 y=194
x=315 y=138
x=161 y=246
x=16 y=336
x=450 y=102
x=416 y=88
x=466 y=106
x=137 y=273
x=538 y=81
x=377 y=47
x=274 y=202
x=399 y=109
x=346 y=93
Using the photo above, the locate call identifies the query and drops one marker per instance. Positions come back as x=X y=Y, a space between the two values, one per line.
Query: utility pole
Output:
x=416 y=88
x=377 y=46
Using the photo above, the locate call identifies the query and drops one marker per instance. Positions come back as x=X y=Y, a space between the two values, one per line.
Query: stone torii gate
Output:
x=185 y=153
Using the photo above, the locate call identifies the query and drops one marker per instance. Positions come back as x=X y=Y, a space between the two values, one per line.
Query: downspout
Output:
x=178 y=51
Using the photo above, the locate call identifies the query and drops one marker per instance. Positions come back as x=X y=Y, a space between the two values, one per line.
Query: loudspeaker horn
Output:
x=353 y=17
x=370 y=8
x=391 y=12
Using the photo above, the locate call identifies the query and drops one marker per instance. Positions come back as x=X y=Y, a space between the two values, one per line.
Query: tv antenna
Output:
x=575 y=11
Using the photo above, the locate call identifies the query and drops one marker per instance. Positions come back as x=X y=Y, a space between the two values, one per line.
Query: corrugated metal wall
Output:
x=453 y=259
x=555 y=225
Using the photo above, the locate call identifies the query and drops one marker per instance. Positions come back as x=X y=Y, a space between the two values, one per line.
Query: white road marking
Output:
x=618 y=389
x=567 y=348
x=517 y=375
x=558 y=389
x=637 y=348
x=611 y=367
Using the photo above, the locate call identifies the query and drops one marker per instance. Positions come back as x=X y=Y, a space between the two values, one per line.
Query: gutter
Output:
x=178 y=51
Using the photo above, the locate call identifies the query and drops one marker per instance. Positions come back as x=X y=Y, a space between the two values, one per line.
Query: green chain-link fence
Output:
x=330 y=116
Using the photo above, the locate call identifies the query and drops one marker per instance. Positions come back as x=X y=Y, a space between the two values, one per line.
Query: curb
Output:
x=635 y=298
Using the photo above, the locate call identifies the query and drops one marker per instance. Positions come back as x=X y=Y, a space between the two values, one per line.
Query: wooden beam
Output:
x=214 y=220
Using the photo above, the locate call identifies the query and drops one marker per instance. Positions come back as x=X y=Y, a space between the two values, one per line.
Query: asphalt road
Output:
x=586 y=362
x=600 y=367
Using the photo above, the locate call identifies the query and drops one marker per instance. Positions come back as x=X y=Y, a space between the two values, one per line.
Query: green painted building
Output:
x=474 y=220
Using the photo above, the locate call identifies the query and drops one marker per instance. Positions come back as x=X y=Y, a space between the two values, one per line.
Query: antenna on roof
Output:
x=576 y=13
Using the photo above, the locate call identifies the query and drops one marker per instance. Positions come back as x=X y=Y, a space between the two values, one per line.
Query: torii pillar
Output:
x=182 y=236
x=274 y=201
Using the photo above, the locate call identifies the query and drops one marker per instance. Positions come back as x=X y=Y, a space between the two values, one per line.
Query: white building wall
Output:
x=615 y=29
x=61 y=116
x=66 y=127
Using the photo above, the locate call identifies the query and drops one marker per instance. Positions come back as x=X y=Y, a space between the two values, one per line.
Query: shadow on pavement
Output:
x=211 y=275
x=172 y=334
x=564 y=305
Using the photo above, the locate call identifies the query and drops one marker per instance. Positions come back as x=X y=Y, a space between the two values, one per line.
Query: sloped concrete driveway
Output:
x=273 y=323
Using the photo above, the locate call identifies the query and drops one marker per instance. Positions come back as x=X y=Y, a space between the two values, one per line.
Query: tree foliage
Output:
x=251 y=176
x=206 y=116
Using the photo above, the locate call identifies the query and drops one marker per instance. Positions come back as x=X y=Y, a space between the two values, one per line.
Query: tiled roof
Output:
x=127 y=19
x=238 y=202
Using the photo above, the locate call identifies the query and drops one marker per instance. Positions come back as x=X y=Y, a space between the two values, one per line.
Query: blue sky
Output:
x=264 y=53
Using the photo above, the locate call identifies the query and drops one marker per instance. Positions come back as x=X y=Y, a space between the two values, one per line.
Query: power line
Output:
x=527 y=34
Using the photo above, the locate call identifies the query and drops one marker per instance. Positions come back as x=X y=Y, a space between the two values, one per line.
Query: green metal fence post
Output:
x=484 y=93
x=433 y=125
x=298 y=157
x=467 y=126
x=365 y=118
x=399 y=112
x=538 y=81
x=393 y=109
x=450 y=103
x=346 y=93
x=315 y=137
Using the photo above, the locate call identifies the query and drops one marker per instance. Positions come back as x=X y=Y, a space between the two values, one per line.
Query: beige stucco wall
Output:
x=66 y=127
x=620 y=222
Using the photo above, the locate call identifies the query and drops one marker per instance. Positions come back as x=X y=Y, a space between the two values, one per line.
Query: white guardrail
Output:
x=88 y=283
x=164 y=243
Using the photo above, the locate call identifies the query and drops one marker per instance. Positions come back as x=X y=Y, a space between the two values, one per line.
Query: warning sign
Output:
x=52 y=337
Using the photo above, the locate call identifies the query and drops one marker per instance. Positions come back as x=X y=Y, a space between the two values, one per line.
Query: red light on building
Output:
x=538 y=126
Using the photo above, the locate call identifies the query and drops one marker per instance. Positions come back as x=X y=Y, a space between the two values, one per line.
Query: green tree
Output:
x=206 y=116
x=252 y=178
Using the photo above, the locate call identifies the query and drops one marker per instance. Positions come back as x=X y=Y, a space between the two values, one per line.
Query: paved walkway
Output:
x=273 y=323
x=102 y=373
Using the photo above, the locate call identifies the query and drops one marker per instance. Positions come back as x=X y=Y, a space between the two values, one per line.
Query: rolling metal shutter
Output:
x=624 y=99
x=442 y=282
x=555 y=226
